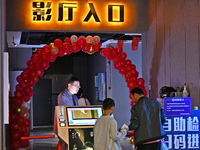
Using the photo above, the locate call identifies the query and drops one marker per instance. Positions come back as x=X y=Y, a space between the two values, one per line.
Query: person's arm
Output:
x=134 y=121
x=63 y=100
x=163 y=117
x=114 y=134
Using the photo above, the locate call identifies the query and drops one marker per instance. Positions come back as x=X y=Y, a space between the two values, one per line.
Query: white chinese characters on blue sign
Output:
x=183 y=132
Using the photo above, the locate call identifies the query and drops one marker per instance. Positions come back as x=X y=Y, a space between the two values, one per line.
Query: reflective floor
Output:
x=43 y=144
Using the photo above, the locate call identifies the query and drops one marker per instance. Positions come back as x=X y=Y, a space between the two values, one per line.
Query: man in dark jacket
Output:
x=147 y=119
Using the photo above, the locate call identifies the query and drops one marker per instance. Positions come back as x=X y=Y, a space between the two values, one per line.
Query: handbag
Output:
x=163 y=145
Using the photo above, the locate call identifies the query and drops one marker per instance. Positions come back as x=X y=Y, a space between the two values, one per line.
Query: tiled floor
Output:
x=43 y=144
x=51 y=143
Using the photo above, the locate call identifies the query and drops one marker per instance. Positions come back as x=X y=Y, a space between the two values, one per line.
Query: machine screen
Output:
x=83 y=116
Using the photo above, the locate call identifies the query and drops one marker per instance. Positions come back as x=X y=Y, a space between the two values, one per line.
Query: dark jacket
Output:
x=147 y=118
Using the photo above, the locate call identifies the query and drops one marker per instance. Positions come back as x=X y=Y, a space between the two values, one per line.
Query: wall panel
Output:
x=177 y=42
x=172 y=45
x=192 y=52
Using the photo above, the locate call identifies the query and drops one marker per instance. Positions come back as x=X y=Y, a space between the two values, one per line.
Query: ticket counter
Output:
x=74 y=125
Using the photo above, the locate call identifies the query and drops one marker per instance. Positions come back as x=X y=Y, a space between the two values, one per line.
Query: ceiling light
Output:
x=13 y=42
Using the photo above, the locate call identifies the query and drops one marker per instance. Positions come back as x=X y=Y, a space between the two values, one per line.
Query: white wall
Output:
x=119 y=90
x=172 y=46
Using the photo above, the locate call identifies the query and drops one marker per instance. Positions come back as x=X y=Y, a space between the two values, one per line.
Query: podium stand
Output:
x=74 y=125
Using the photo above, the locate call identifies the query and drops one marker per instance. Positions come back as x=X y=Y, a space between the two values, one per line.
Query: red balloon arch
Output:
x=20 y=104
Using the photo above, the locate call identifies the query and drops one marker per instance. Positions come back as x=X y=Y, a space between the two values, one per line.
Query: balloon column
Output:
x=20 y=103
x=125 y=67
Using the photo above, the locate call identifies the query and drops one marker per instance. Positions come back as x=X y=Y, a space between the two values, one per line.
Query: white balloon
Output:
x=73 y=38
x=89 y=39
x=96 y=39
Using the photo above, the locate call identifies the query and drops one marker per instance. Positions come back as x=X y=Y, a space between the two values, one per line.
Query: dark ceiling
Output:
x=37 y=38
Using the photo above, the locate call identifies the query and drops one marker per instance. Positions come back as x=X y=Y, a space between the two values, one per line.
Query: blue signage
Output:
x=178 y=106
x=183 y=132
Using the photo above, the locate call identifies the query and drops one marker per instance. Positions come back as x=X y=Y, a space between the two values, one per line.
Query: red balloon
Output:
x=18 y=101
x=46 y=49
x=45 y=64
x=31 y=67
x=29 y=62
x=96 y=47
x=18 y=93
x=116 y=66
x=111 y=47
x=67 y=48
x=27 y=90
x=36 y=79
x=26 y=97
x=31 y=94
x=18 y=87
x=122 y=63
x=35 y=58
x=122 y=70
x=81 y=41
x=23 y=129
x=15 y=145
x=128 y=80
x=128 y=75
x=26 y=134
x=61 y=52
x=19 y=78
x=134 y=78
x=30 y=82
x=86 y=48
x=129 y=67
x=119 y=50
x=58 y=43
x=75 y=47
x=106 y=52
x=40 y=72
x=22 y=84
x=13 y=117
x=20 y=120
x=26 y=70
x=122 y=56
x=114 y=52
x=140 y=81
x=44 y=56
x=12 y=106
x=14 y=126
x=33 y=74
x=51 y=58
x=131 y=85
x=39 y=51
x=67 y=40
x=115 y=59
x=24 y=143
x=16 y=135
x=27 y=123
x=37 y=66
x=24 y=75
x=128 y=62
x=134 y=73
x=109 y=57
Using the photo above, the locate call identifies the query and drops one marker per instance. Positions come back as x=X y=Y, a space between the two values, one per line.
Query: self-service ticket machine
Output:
x=74 y=125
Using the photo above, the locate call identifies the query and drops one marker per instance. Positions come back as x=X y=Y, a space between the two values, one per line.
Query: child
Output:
x=106 y=136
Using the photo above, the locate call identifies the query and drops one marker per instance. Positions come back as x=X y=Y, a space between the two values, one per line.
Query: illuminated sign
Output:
x=77 y=15
x=42 y=11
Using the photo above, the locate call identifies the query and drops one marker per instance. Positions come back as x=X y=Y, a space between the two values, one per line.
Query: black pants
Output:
x=152 y=146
